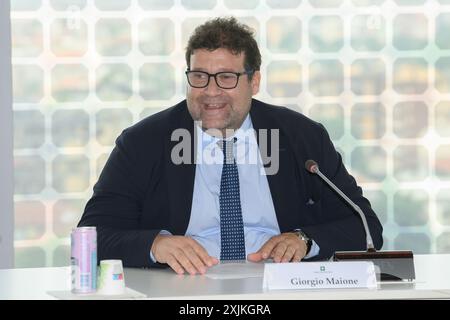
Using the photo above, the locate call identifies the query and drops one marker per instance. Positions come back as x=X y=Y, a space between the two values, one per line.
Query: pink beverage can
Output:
x=84 y=259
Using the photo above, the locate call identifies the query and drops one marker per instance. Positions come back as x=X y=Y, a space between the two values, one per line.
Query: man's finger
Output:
x=267 y=249
x=173 y=263
x=255 y=257
x=278 y=251
x=185 y=262
x=288 y=254
x=298 y=256
x=196 y=261
x=203 y=254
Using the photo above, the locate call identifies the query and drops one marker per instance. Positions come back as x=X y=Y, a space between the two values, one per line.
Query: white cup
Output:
x=111 y=279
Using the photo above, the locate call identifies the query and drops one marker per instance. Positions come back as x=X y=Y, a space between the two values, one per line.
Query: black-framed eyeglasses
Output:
x=224 y=80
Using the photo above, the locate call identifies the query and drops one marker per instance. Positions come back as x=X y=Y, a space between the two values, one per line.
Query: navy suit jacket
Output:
x=141 y=191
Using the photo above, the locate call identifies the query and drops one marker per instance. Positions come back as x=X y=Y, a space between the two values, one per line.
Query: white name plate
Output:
x=320 y=275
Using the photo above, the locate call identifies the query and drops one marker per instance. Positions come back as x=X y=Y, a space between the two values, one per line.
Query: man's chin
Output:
x=215 y=126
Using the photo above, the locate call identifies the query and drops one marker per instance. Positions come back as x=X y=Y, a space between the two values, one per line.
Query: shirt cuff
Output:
x=162 y=232
x=314 y=251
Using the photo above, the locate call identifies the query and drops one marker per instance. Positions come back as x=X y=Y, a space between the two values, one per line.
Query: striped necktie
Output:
x=231 y=222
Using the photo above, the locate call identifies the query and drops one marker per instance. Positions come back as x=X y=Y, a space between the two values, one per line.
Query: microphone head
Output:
x=311 y=166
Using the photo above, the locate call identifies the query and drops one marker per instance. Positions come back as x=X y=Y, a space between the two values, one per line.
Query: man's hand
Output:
x=282 y=248
x=182 y=254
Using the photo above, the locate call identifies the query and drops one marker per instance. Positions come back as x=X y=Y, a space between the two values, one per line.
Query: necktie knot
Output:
x=227 y=147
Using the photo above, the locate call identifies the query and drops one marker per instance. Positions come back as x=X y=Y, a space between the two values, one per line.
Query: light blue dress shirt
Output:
x=258 y=212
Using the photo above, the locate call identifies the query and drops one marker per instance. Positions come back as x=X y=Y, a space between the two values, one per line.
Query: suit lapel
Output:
x=282 y=185
x=180 y=177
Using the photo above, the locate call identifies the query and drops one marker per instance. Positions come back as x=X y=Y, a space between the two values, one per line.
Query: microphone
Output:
x=313 y=167
x=392 y=265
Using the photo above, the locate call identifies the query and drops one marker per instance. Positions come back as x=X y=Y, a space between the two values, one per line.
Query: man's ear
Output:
x=256 y=79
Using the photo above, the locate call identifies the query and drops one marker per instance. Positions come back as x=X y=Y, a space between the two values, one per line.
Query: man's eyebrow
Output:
x=197 y=69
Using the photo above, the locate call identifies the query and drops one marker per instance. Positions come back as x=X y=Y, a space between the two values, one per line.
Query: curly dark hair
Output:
x=226 y=33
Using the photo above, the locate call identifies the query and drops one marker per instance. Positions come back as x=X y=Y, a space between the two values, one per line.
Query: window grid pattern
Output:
x=85 y=70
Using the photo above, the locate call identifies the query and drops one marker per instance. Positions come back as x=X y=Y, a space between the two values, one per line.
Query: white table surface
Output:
x=432 y=282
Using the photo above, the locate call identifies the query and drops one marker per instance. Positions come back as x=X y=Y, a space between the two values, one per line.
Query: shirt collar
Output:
x=243 y=135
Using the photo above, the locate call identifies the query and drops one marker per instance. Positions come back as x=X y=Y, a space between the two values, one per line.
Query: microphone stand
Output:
x=392 y=265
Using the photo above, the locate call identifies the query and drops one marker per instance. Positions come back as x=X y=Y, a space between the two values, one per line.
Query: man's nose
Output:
x=212 y=88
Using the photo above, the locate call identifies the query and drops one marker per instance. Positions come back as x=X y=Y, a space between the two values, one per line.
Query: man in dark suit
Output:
x=156 y=204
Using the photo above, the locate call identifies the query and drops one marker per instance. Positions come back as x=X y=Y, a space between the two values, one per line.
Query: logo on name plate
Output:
x=322 y=269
